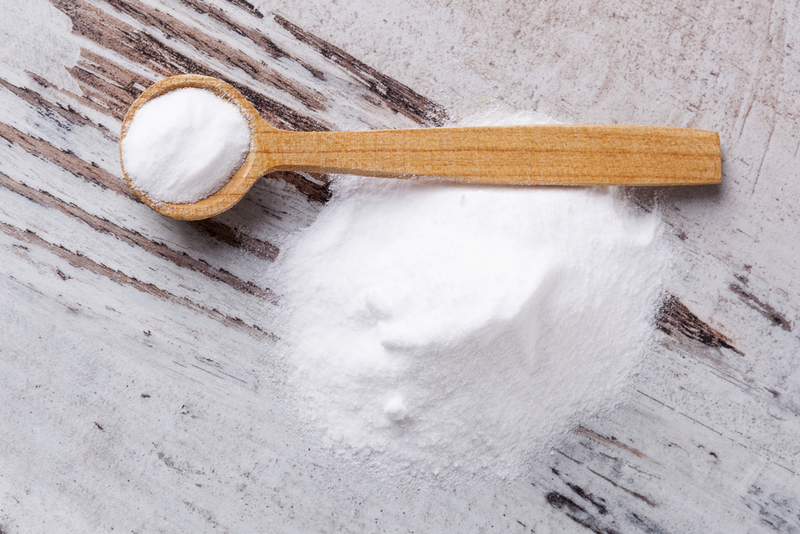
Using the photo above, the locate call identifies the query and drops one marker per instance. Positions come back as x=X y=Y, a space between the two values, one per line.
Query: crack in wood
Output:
x=317 y=192
x=65 y=118
x=675 y=318
x=247 y=6
x=598 y=502
x=399 y=97
x=776 y=318
x=136 y=239
x=577 y=513
x=235 y=238
x=94 y=73
x=626 y=490
x=611 y=441
x=89 y=172
x=257 y=37
x=79 y=261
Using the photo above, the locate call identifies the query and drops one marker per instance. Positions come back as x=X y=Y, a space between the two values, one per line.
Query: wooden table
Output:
x=140 y=389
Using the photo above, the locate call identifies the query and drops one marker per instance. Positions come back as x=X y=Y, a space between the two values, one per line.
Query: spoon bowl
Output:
x=238 y=184
x=504 y=155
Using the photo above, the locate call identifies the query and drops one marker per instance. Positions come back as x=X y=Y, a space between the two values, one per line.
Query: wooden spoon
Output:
x=506 y=155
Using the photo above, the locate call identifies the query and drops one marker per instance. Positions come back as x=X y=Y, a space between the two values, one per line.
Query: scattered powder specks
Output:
x=183 y=146
x=437 y=328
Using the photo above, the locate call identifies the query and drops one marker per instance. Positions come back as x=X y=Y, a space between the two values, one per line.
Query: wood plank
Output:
x=143 y=387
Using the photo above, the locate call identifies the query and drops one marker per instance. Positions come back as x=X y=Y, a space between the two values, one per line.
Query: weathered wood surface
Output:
x=140 y=391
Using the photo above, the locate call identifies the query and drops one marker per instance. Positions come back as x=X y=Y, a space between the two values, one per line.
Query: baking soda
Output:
x=185 y=145
x=436 y=329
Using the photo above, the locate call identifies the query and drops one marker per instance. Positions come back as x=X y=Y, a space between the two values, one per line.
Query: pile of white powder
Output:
x=434 y=329
x=184 y=145
x=437 y=329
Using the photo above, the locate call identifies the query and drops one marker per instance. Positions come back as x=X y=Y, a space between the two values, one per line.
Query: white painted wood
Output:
x=136 y=394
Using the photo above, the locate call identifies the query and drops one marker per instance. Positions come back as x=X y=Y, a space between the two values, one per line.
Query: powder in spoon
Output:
x=185 y=145
x=439 y=329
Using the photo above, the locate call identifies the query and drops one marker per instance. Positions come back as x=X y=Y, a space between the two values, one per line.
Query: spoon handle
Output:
x=513 y=155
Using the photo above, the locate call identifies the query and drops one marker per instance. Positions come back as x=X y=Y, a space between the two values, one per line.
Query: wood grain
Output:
x=505 y=155
x=141 y=387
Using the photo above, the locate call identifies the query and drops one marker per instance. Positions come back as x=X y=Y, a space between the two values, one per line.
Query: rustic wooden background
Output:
x=140 y=389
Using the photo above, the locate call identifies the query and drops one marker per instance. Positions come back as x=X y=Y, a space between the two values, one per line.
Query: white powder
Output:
x=438 y=329
x=183 y=146
x=395 y=409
